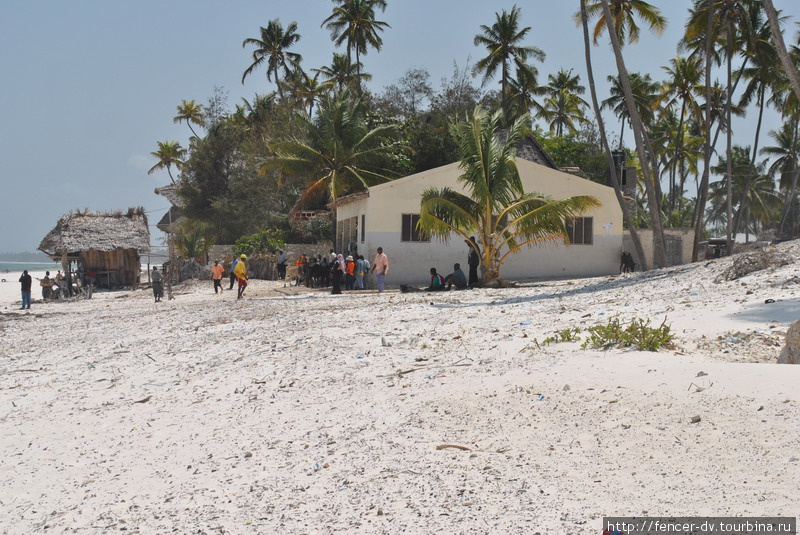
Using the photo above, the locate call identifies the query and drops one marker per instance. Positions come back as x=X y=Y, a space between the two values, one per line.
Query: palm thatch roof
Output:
x=170 y=191
x=98 y=231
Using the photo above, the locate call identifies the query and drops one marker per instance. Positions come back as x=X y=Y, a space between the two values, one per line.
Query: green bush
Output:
x=319 y=229
x=261 y=242
x=637 y=333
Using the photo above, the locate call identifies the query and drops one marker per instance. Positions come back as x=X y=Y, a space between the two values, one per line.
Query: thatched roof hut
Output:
x=170 y=219
x=106 y=244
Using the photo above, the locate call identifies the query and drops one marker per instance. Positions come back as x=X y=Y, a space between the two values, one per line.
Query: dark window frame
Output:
x=409 y=232
x=580 y=230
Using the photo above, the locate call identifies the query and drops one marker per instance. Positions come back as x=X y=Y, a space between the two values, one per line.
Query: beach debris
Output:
x=768 y=301
x=452 y=446
x=144 y=400
x=790 y=354
x=566 y=388
x=385 y=342
x=526 y=322
x=701 y=374
x=695 y=420
x=747 y=263
x=361 y=356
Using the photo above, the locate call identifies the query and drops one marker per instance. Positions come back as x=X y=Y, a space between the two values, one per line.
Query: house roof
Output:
x=99 y=231
x=363 y=194
x=530 y=149
x=170 y=191
x=170 y=218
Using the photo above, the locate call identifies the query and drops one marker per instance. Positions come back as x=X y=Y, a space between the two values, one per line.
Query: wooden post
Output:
x=170 y=248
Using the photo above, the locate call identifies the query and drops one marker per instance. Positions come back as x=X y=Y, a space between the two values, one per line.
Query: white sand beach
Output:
x=295 y=411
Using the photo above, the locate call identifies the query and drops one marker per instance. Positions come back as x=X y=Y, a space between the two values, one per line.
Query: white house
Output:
x=386 y=216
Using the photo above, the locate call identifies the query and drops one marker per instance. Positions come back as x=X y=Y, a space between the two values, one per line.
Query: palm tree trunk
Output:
x=758 y=124
x=729 y=150
x=190 y=128
x=788 y=202
x=358 y=72
x=621 y=130
x=503 y=82
x=170 y=174
x=678 y=157
x=780 y=46
x=702 y=194
x=626 y=214
x=659 y=245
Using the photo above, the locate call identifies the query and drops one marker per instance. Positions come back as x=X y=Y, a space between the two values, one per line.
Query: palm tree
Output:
x=341 y=153
x=502 y=42
x=564 y=110
x=645 y=94
x=626 y=213
x=353 y=22
x=625 y=13
x=342 y=74
x=169 y=153
x=523 y=89
x=680 y=89
x=786 y=152
x=643 y=149
x=777 y=37
x=495 y=207
x=272 y=48
x=191 y=112
x=305 y=89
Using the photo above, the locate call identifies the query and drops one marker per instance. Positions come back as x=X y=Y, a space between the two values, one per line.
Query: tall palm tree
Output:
x=624 y=205
x=272 y=47
x=169 y=153
x=777 y=36
x=786 y=152
x=625 y=13
x=645 y=95
x=339 y=153
x=191 y=112
x=495 y=207
x=353 y=22
x=523 y=90
x=502 y=43
x=680 y=89
x=342 y=73
x=645 y=153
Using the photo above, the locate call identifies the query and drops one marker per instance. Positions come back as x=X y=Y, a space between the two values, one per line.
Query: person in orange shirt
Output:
x=350 y=270
x=216 y=274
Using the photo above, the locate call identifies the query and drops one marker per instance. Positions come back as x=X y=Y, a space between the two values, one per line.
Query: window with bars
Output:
x=579 y=230
x=363 y=227
x=409 y=230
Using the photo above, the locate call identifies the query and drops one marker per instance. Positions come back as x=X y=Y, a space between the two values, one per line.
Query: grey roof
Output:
x=170 y=191
x=98 y=231
x=530 y=149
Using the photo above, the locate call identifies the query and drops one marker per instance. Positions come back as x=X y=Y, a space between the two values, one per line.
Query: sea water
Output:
x=9 y=267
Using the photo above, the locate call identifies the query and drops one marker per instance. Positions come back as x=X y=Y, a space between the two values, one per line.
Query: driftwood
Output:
x=453 y=446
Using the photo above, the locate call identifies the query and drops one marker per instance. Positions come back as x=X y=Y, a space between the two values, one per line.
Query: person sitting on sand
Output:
x=158 y=285
x=437 y=282
x=241 y=275
x=456 y=278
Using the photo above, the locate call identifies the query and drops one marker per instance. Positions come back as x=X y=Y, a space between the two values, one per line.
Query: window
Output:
x=579 y=230
x=346 y=234
x=363 y=227
x=409 y=230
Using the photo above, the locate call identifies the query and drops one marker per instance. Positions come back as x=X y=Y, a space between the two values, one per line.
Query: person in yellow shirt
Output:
x=216 y=274
x=240 y=271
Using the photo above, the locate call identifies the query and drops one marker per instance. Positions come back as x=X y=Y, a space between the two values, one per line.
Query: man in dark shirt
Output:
x=457 y=277
x=25 y=282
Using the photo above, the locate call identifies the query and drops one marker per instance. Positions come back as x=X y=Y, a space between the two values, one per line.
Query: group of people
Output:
x=51 y=287
x=353 y=271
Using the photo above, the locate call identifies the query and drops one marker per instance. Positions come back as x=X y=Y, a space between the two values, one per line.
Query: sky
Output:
x=89 y=86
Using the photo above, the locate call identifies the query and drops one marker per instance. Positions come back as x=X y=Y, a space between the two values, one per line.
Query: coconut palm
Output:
x=523 y=90
x=495 y=206
x=191 y=112
x=645 y=95
x=353 y=22
x=272 y=47
x=612 y=171
x=342 y=74
x=564 y=110
x=777 y=35
x=625 y=13
x=305 y=89
x=644 y=151
x=338 y=154
x=786 y=152
x=169 y=153
x=502 y=43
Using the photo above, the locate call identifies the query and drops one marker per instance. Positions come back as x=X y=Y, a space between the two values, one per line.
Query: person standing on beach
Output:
x=473 y=261
x=282 y=259
x=337 y=274
x=361 y=268
x=233 y=275
x=380 y=266
x=25 y=282
x=47 y=286
x=158 y=285
x=216 y=274
x=241 y=275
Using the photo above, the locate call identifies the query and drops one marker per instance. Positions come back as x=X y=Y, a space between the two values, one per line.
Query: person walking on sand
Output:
x=473 y=261
x=380 y=266
x=216 y=274
x=158 y=285
x=25 y=285
x=241 y=275
x=233 y=275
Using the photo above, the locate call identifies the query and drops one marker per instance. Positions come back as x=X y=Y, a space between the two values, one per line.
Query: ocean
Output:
x=8 y=267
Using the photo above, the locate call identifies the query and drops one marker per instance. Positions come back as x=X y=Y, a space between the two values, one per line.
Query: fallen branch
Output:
x=454 y=446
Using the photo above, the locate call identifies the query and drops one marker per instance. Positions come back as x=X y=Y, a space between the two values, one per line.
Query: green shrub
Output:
x=261 y=242
x=564 y=335
x=637 y=333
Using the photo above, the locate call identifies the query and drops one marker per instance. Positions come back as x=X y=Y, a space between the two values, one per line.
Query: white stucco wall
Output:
x=411 y=261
